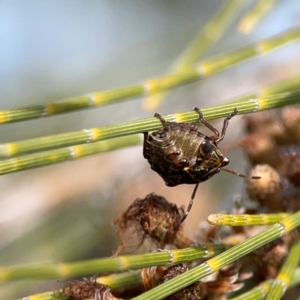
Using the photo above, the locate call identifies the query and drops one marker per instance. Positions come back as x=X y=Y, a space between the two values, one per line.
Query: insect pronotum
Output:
x=181 y=154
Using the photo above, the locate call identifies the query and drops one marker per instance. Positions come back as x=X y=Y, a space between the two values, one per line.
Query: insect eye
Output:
x=206 y=148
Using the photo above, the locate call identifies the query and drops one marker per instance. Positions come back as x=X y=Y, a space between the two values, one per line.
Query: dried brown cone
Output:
x=266 y=190
x=270 y=257
x=88 y=289
x=292 y=168
x=265 y=121
x=191 y=292
x=260 y=147
x=291 y=120
x=291 y=200
x=153 y=218
x=269 y=123
x=227 y=280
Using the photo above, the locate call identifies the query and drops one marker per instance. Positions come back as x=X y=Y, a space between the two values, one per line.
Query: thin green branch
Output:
x=143 y=125
x=286 y=85
x=284 y=277
x=113 y=264
x=207 y=35
x=224 y=61
x=45 y=158
x=246 y=220
x=54 y=295
x=260 y=291
x=214 y=264
x=116 y=281
x=119 y=280
x=255 y=15
x=151 y=86
x=210 y=33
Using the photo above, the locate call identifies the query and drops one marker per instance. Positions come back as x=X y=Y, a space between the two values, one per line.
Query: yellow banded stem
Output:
x=152 y=86
x=283 y=278
x=116 y=281
x=54 y=295
x=113 y=264
x=261 y=291
x=246 y=220
x=214 y=264
x=280 y=86
x=207 y=35
x=45 y=158
x=258 y=293
x=255 y=14
x=144 y=125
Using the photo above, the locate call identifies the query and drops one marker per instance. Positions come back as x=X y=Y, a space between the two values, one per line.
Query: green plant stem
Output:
x=53 y=295
x=284 y=277
x=151 y=86
x=285 y=85
x=260 y=292
x=116 y=281
x=207 y=35
x=245 y=220
x=255 y=14
x=144 y=125
x=122 y=280
x=214 y=264
x=59 y=155
x=113 y=264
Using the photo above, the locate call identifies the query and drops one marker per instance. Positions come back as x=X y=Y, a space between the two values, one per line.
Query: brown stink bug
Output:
x=181 y=154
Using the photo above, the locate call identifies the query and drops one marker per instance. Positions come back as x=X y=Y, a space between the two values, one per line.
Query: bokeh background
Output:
x=53 y=50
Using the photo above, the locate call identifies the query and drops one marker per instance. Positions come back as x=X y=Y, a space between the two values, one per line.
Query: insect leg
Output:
x=165 y=124
x=225 y=125
x=204 y=122
x=190 y=204
x=159 y=116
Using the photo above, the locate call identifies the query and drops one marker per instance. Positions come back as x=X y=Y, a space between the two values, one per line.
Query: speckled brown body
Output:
x=181 y=154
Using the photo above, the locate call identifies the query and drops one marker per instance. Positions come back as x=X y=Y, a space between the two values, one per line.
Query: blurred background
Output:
x=54 y=50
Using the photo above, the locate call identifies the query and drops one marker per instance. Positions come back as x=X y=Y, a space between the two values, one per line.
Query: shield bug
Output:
x=181 y=154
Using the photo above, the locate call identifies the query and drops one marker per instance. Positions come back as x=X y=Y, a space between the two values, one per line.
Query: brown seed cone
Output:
x=266 y=190
x=293 y=169
x=265 y=122
x=291 y=120
x=271 y=256
x=228 y=279
x=191 y=292
x=153 y=218
x=88 y=289
x=261 y=148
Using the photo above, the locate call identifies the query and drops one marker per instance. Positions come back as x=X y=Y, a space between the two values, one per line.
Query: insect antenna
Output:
x=239 y=174
x=196 y=187
x=190 y=204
